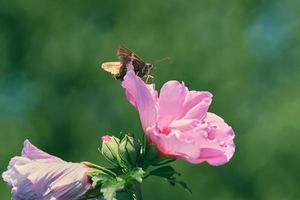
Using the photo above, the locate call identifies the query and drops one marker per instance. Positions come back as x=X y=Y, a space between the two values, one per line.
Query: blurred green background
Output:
x=245 y=52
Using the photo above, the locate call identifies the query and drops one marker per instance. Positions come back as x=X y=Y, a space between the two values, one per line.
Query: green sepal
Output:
x=95 y=169
x=110 y=150
x=129 y=150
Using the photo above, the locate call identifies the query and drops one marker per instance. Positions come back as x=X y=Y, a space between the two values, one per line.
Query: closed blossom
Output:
x=37 y=175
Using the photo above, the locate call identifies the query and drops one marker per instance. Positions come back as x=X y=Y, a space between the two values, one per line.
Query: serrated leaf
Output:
x=165 y=172
x=98 y=179
x=110 y=187
x=137 y=174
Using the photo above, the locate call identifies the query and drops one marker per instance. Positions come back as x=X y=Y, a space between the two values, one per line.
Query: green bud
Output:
x=109 y=150
x=129 y=150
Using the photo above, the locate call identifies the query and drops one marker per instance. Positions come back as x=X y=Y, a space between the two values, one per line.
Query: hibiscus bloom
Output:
x=37 y=175
x=178 y=122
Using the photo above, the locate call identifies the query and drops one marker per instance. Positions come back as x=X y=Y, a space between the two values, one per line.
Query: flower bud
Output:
x=109 y=150
x=129 y=150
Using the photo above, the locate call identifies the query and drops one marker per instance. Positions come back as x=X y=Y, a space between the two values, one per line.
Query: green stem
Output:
x=100 y=168
x=138 y=191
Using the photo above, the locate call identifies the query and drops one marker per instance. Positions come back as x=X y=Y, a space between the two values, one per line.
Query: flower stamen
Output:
x=165 y=131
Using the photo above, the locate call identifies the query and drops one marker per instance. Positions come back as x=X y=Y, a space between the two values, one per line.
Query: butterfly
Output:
x=127 y=58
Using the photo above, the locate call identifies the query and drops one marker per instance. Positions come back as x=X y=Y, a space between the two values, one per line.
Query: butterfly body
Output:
x=127 y=58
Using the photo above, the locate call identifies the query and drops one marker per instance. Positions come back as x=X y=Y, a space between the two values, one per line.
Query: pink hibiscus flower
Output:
x=178 y=122
x=37 y=175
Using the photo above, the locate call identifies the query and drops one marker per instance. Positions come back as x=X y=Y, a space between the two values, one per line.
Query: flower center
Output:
x=165 y=131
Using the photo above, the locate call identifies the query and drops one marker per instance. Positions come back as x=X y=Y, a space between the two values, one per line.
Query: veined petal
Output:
x=32 y=152
x=141 y=96
x=196 y=105
x=210 y=140
x=216 y=141
x=153 y=92
x=170 y=102
x=173 y=145
x=184 y=124
x=45 y=179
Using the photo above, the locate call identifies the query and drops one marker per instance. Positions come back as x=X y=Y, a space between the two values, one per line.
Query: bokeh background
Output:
x=245 y=52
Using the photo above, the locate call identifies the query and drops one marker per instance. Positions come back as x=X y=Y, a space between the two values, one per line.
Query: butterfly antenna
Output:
x=163 y=59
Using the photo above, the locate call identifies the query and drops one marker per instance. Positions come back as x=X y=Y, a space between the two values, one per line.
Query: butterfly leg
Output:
x=148 y=77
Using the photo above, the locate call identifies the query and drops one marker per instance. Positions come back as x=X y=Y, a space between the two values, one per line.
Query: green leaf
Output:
x=110 y=187
x=165 y=172
x=174 y=182
x=98 y=179
x=136 y=174
x=169 y=174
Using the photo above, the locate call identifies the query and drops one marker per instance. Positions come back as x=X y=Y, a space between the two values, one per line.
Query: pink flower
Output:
x=178 y=123
x=37 y=175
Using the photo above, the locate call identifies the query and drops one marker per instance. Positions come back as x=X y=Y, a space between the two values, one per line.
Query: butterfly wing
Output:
x=126 y=55
x=112 y=67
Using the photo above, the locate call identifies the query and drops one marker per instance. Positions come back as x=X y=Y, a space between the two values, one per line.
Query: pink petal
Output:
x=196 y=105
x=141 y=96
x=32 y=152
x=153 y=92
x=173 y=145
x=212 y=156
x=184 y=124
x=170 y=102
x=216 y=141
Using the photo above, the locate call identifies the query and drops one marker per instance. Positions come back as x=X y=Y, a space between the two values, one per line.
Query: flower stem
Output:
x=99 y=168
x=138 y=191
